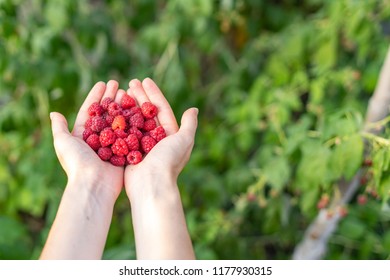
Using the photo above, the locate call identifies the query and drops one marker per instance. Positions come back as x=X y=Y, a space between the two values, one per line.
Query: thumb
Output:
x=189 y=123
x=59 y=124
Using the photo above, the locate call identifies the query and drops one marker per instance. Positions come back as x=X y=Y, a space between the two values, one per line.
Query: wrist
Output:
x=89 y=189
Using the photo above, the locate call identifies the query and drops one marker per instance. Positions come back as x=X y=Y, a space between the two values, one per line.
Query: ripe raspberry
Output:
x=88 y=123
x=127 y=114
x=135 y=110
x=147 y=143
x=119 y=122
x=87 y=132
x=120 y=148
x=98 y=124
x=149 y=125
x=127 y=102
x=118 y=160
x=106 y=102
x=136 y=132
x=362 y=199
x=95 y=109
x=137 y=120
x=109 y=119
x=114 y=109
x=158 y=133
x=120 y=133
x=93 y=141
x=105 y=153
x=132 y=142
x=149 y=110
x=107 y=137
x=134 y=157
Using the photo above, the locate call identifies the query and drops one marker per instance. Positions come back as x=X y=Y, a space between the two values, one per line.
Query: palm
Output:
x=76 y=156
x=170 y=154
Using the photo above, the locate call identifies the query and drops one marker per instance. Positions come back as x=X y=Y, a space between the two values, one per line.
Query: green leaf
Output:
x=277 y=171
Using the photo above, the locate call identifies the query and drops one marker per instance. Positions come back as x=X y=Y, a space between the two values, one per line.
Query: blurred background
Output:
x=282 y=87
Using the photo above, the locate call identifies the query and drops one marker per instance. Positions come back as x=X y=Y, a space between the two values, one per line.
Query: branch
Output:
x=315 y=240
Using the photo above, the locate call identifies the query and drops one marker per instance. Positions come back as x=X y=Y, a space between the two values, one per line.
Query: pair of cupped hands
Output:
x=164 y=162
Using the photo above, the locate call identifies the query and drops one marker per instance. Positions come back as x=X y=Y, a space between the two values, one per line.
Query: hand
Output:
x=157 y=212
x=169 y=156
x=78 y=160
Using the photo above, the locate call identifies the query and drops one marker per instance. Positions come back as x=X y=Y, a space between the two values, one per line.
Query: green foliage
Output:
x=282 y=88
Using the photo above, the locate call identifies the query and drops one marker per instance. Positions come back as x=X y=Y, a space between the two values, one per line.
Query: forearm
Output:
x=81 y=226
x=159 y=222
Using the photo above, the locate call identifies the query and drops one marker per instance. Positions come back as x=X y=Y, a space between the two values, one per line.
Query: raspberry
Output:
x=88 y=123
x=95 y=109
x=98 y=124
x=93 y=141
x=107 y=137
x=109 y=119
x=104 y=153
x=147 y=143
x=134 y=157
x=362 y=199
x=158 y=133
x=118 y=160
x=87 y=132
x=120 y=133
x=137 y=120
x=127 y=102
x=119 y=122
x=120 y=147
x=135 y=110
x=127 y=114
x=136 y=132
x=149 y=110
x=106 y=102
x=149 y=125
x=114 y=109
x=132 y=142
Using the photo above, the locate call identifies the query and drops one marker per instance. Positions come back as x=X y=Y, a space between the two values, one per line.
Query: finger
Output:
x=189 y=123
x=111 y=89
x=165 y=114
x=119 y=95
x=95 y=95
x=59 y=125
x=138 y=92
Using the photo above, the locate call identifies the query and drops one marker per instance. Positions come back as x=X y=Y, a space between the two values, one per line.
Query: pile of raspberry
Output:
x=122 y=133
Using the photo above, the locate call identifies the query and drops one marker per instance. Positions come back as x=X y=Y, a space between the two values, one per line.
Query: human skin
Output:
x=82 y=222
x=157 y=212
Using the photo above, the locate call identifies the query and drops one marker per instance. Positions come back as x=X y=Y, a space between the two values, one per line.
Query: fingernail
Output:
x=51 y=115
x=196 y=111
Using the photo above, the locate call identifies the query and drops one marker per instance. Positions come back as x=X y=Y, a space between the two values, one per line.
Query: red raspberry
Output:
x=120 y=148
x=120 y=133
x=118 y=160
x=127 y=114
x=132 y=142
x=95 y=109
x=127 y=102
x=87 y=132
x=106 y=102
x=93 y=141
x=362 y=199
x=109 y=119
x=114 y=109
x=137 y=120
x=147 y=143
x=158 y=133
x=119 y=122
x=98 y=124
x=136 y=132
x=88 y=123
x=134 y=157
x=107 y=137
x=135 y=110
x=149 y=125
x=149 y=110
x=104 y=153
